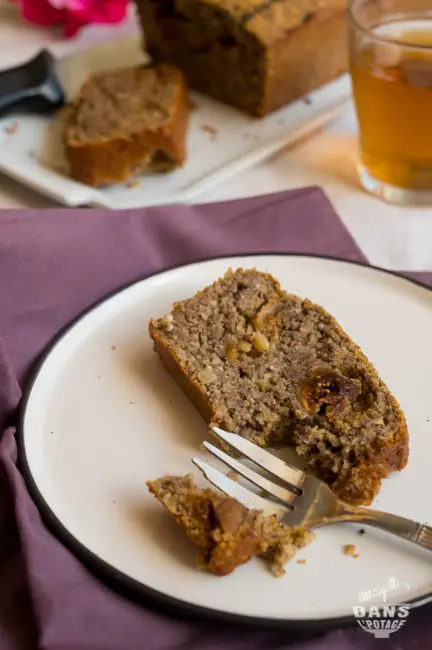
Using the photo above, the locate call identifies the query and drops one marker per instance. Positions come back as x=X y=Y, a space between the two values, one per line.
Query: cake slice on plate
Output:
x=279 y=370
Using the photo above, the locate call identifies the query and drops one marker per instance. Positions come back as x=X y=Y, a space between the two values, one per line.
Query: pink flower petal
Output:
x=60 y=4
x=74 y=14
x=73 y=24
x=99 y=11
x=40 y=12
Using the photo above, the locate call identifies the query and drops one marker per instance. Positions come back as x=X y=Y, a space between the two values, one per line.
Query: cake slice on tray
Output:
x=279 y=370
x=125 y=122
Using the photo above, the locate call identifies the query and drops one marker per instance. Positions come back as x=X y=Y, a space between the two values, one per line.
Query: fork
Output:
x=304 y=500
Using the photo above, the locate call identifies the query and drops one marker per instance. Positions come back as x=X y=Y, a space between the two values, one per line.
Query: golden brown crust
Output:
x=115 y=159
x=389 y=458
x=191 y=387
x=297 y=50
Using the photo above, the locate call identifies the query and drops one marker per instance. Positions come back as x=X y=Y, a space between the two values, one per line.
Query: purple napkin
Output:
x=54 y=264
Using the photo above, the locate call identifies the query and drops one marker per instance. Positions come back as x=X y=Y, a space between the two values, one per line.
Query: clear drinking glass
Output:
x=391 y=69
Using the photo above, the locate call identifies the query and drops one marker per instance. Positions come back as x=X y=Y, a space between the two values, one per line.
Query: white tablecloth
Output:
x=392 y=237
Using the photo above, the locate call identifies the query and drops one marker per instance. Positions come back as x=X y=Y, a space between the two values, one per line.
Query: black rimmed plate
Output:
x=102 y=416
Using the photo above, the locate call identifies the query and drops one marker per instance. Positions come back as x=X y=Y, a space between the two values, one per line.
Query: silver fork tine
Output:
x=262 y=458
x=260 y=481
x=249 y=499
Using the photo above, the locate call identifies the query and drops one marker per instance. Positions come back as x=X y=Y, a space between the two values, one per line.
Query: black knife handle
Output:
x=32 y=87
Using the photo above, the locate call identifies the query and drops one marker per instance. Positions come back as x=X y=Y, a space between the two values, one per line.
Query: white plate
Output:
x=221 y=142
x=103 y=416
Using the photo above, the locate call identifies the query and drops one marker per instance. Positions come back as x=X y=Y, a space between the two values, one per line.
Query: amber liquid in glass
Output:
x=392 y=85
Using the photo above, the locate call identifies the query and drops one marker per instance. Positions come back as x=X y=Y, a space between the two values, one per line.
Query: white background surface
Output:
x=135 y=424
x=396 y=238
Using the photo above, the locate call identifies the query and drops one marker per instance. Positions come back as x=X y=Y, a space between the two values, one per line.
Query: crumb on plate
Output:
x=350 y=549
x=11 y=128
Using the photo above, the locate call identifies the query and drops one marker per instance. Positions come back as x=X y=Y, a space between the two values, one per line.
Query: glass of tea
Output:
x=391 y=69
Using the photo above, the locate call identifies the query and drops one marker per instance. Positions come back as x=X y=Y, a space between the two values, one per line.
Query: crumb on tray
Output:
x=301 y=561
x=133 y=184
x=212 y=132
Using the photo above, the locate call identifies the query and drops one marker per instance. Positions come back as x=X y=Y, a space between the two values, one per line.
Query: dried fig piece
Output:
x=267 y=320
x=228 y=513
x=327 y=392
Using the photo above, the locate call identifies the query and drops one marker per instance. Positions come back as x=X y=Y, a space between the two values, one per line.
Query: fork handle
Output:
x=413 y=531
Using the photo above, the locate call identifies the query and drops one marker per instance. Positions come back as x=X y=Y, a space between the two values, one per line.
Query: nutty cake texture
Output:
x=225 y=533
x=279 y=370
x=257 y=55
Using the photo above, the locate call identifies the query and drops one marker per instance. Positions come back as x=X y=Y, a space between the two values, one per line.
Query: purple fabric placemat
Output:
x=54 y=264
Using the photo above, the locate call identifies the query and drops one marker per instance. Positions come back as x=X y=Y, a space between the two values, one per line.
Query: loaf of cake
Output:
x=126 y=122
x=257 y=55
x=224 y=532
x=279 y=370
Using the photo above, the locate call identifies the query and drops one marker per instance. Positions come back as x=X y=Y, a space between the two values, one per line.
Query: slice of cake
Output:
x=126 y=122
x=279 y=370
x=225 y=533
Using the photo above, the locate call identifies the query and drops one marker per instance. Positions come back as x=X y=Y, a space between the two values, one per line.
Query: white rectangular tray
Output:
x=221 y=143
